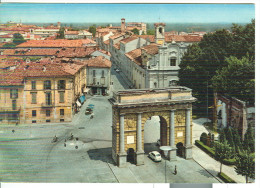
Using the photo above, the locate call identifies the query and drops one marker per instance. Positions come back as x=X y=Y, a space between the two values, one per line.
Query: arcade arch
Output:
x=131 y=110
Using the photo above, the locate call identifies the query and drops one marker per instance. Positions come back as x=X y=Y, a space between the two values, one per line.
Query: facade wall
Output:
x=41 y=106
x=11 y=106
x=130 y=124
x=98 y=80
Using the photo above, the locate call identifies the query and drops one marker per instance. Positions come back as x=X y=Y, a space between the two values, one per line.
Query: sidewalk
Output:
x=207 y=162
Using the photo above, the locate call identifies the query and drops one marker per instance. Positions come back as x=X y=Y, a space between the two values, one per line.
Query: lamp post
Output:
x=165 y=150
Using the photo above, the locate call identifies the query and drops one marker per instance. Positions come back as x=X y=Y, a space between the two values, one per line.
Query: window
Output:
x=47 y=84
x=61 y=120
x=62 y=112
x=34 y=98
x=34 y=113
x=173 y=62
x=48 y=120
x=48 y=98
x=13 y=93
x=172 y=83
x=14 y=104
x=33 y=121
x=103 y=73
x=61 y=84
x=33 y=84
x=48 y=113
x=61 y=97
x=94 y=73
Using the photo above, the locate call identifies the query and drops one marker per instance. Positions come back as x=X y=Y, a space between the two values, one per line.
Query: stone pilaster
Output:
x=139 y=152
x=122 y=154
x=188 y=146
x=172 y=153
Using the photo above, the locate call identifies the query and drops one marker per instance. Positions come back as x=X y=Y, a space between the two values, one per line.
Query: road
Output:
x=28 y=155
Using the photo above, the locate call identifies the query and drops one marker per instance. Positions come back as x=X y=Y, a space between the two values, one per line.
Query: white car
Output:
x=155 y=156
x=117 y=70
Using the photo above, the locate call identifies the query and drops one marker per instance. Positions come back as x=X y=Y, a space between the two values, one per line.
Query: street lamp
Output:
x=165 y=150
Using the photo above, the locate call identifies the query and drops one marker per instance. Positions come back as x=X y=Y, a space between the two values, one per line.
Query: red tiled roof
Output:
x=117 y=45
x=6 y=36
x=72 y=68
x=106 y=41
x=183 y=38
x=104 y=52
x=100 y=62
x=56 y=43
x=135 y=55
x=128 y=39
x=75 y=52
x=30 y=52
x=71 y=33
x=116 y=36
x=150 y=37
x=8 y=78
x=41 y=69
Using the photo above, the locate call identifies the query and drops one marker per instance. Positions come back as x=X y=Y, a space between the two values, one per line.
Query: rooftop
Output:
x=56 y=43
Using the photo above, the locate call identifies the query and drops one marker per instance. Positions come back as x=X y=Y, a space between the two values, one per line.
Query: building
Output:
x=11 y=92
x=150 y=61
x=232 y=112
x=138 y=25
x=99 y=75
x=82 y=34
x=48 y=93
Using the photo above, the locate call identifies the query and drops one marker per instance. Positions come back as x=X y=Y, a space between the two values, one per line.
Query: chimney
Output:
x=44 y=68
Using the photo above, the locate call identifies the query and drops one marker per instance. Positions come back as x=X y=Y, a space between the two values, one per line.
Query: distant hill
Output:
x=186 y=27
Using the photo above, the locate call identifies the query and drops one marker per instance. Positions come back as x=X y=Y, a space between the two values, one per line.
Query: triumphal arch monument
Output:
x=132 y=108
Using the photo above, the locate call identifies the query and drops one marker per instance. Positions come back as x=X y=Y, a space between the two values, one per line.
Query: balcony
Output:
x=10 y=109
x=47 y=105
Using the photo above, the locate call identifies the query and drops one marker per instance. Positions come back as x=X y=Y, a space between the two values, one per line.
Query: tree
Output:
x=150 y=32
x=237 y=78
x=237 y=140
x=249 y=140
x=92 y=29
x=135 y=31
x=222 y=136
x=18 y=39
x=245 y=165
x=9 y=45
x=222 y=151
x=202 y=62
x=61 y=33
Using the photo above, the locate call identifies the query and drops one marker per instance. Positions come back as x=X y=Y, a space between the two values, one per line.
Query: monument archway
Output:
x=132 y=108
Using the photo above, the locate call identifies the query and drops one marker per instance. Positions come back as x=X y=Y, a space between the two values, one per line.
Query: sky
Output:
x=111 y=13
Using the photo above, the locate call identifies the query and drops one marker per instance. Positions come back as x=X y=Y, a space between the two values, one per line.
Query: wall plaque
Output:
x=130 y=139
x=179 y=134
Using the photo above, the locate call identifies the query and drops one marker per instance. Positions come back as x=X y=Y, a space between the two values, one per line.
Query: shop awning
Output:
x=86 y=90
x=78 y=103
x=82 y=98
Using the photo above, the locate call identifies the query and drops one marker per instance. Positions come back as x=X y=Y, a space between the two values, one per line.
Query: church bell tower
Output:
x=159 y=33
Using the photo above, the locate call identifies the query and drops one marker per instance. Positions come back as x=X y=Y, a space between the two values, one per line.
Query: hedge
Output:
x=225 y=178
x=210 y=151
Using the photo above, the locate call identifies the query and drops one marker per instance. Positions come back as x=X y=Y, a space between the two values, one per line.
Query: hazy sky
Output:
x=174 y=13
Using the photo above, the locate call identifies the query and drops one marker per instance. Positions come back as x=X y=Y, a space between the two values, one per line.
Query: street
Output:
x=28 y=154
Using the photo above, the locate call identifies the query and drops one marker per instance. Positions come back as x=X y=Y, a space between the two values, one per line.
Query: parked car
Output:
x=117 y=70
x=155 y=156
x=88 y=110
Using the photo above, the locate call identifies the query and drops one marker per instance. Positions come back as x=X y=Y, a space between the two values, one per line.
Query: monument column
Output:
x=122 y=153
x=188 y=146
x=172 y=154
x=139 y=141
